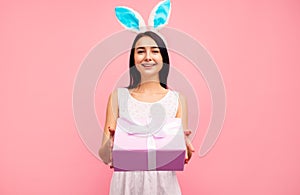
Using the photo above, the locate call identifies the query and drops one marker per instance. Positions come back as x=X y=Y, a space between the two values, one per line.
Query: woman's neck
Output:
x=150 y=86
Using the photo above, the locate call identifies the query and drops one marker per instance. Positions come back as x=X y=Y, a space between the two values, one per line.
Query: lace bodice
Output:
x=139 y=111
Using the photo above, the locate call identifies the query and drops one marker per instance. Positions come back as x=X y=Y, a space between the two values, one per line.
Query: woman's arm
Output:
x=112 y=114
x=182 y=112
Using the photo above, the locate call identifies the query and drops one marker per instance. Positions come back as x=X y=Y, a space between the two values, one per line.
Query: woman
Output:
x=149 y=69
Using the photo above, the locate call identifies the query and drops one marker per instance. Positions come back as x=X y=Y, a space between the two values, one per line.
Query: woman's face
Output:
x=147 y=57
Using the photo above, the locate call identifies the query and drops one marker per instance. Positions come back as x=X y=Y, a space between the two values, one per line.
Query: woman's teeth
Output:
x=148 y=65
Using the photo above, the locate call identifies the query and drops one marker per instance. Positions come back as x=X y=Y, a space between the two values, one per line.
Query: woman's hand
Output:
x=189 y=146
x=111 y=140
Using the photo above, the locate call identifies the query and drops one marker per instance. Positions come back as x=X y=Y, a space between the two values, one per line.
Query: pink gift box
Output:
x=161 y=150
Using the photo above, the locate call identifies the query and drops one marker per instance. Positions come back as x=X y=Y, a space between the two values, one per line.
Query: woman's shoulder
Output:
x=113 y=96
x=118 y=90
x=113 y=93
x=177 y=93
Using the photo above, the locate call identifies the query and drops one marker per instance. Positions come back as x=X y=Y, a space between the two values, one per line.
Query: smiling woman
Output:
x=147 y=103
x=149 y=69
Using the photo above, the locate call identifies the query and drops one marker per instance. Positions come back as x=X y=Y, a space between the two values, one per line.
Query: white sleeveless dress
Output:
x=146 y=182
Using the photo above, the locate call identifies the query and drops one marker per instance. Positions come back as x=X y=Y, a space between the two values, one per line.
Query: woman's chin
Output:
x=150 y=71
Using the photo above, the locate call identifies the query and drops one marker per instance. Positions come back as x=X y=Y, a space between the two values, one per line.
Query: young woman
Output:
x=149 y=69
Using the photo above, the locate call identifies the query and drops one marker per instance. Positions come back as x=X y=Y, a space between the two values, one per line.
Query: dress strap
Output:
x=177 y=99
x=123 y=102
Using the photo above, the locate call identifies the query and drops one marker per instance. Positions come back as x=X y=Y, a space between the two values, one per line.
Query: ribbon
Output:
x=151 y=133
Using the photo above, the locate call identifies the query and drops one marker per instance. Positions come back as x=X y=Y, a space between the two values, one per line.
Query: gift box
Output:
x=136 y=149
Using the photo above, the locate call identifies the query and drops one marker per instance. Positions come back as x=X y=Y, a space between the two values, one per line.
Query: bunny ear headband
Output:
x=132 y=20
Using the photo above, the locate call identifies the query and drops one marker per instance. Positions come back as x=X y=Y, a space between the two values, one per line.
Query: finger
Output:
x=191 y=147
x=186 y=161
x=111 y=143
x=111 y=165
x=189 y=158
x=111 y=131
x=187 y=132
x=110 y=157
x=186 y=154
x=189 y=153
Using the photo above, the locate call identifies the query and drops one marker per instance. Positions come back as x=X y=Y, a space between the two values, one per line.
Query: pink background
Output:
x=256 y=45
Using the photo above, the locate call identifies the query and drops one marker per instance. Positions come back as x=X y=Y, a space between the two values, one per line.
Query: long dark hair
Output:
x=135 y=76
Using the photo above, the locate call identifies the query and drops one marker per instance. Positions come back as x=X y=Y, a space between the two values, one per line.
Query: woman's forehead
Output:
x=145 y=42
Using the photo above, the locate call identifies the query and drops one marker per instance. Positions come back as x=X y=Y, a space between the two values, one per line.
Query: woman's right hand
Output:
x=111 y=140
x=189 y=146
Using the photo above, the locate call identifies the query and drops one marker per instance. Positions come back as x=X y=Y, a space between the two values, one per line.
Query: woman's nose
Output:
x=148 y=56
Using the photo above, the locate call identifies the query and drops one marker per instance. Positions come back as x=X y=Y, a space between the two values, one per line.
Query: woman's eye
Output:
x=140 y=51
x=155 y=51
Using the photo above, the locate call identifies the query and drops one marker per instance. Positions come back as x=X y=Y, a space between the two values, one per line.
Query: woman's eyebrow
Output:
x=154 y=47
x=140 y=48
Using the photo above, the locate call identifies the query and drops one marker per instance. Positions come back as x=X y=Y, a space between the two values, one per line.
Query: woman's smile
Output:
x=148 y=65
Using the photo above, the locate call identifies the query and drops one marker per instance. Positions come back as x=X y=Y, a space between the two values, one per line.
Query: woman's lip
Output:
x=148 y=65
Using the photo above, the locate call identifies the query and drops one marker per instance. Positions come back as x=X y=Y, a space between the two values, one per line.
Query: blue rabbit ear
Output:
x=160 y=14
x=129 y=18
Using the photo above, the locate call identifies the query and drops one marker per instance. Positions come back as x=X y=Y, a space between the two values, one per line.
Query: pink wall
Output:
x=256 y=45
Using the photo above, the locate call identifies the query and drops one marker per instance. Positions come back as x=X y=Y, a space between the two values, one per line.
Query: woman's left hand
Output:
x=189 y=146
